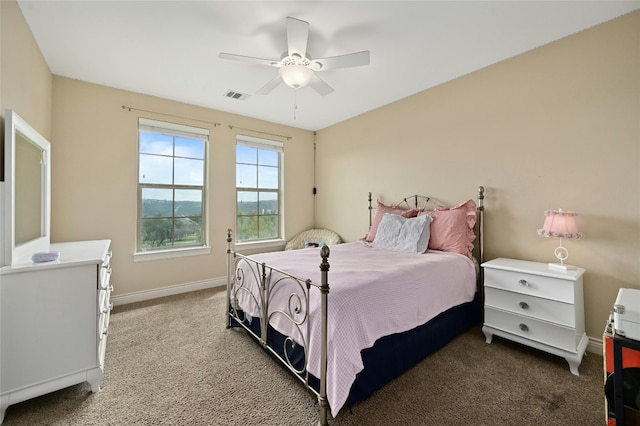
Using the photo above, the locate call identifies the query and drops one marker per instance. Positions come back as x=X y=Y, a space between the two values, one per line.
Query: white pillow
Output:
x=399 y=233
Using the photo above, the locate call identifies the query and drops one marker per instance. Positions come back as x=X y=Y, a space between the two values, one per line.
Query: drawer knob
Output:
x=524 y=305
x=523 y=283
x=523 y=327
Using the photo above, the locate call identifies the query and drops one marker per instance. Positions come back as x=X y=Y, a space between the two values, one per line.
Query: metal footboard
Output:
x=257 y=293
x=296 y=309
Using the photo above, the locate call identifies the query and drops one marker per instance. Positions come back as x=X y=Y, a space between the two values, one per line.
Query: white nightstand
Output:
x=531 y=304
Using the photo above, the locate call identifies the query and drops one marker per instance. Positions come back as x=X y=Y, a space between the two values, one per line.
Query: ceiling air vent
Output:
x=232 y=94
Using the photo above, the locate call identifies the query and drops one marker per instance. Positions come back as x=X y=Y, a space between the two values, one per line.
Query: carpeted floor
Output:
x=171 y=361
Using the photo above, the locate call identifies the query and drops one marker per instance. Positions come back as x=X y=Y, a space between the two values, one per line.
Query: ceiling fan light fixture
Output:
x=296 y=76
x=295 y=68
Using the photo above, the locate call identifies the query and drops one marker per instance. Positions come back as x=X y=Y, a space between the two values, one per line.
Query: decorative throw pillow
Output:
x=452 y=228
x=381 y=209
x=399 y=233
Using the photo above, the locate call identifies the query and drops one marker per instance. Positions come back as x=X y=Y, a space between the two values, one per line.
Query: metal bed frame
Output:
x=296 y=310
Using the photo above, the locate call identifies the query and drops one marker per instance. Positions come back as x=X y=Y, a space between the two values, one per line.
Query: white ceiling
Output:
x=170 y=48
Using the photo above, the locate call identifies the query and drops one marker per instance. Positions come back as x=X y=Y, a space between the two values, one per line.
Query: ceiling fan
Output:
x=296 y=68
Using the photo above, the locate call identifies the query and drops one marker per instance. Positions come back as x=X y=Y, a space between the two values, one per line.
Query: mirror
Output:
x=27 y=198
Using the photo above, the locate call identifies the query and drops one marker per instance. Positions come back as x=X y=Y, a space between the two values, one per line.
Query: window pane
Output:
x=154 y=143
x=247 y=228
x=156 y=233
x=188 y=203
x=268 y=227
x=246 y=176
x=247 y=155
x=267 y=157
x=267 y=177
x=190 y=148
x=157 y=202
x=156 y=169
x=187 y=232
x=268 y=203
x=247 y=203
x=171 y=217
x=258 y=197
x=189 y=172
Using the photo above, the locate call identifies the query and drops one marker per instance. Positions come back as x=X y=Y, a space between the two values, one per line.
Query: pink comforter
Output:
x=373 y=293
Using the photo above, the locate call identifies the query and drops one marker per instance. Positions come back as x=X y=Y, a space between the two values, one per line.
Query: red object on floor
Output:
x=630 y=359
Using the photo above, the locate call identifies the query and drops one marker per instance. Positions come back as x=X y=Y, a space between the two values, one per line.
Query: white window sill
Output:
x=259 y=245
x=144 y=256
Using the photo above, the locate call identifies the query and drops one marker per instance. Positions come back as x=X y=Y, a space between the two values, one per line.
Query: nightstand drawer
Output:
x=534 y=285
x=526 y=305
x=533 y=329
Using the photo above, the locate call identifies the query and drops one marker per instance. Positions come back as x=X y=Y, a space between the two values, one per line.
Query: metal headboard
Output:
x=479 y=227
x=415 y=198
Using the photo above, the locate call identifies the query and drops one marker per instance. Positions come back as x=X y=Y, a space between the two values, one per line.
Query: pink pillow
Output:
x=452 y=228
x=381 y=209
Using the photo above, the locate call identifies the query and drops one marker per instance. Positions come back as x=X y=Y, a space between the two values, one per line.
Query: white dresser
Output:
x=54 y=319
x=531 y=304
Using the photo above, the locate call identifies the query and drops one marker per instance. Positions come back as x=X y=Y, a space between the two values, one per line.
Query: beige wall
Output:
x=94 y=177
x=26 y=83
x=557 y=127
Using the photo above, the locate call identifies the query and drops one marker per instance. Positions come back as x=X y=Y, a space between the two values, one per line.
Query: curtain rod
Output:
x=170 y=115
x=258 y=131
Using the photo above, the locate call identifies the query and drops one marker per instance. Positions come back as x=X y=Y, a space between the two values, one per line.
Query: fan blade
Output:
x=297 y=36
x=261 y=61
x=270 y=86
x=341 y=61
x=317 y=84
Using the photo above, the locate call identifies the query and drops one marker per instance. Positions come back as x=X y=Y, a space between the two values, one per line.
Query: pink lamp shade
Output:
x=560 y=224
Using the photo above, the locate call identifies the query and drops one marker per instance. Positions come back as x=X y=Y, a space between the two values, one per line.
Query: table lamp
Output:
x=560 y=224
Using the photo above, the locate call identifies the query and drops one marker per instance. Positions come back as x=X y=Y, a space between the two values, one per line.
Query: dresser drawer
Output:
x=103 y=323
x=531 y=284
x=103 y=332
x=104 y=312
x=104 y=275
x=533 y=329
x=530 y=306
x=104 y=299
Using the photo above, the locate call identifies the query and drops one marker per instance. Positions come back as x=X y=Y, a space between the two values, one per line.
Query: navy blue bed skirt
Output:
x=391 y=355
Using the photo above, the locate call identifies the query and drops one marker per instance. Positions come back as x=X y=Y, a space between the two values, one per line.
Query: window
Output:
x=171 y=186
x=258 y=194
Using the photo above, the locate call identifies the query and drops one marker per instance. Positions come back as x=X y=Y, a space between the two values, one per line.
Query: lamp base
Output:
x=561 y=267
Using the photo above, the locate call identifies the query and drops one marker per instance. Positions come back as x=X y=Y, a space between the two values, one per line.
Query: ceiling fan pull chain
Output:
x=295 y=103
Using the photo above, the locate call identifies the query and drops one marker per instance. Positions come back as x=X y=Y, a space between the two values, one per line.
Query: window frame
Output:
x=270 y=145
x=183 y=131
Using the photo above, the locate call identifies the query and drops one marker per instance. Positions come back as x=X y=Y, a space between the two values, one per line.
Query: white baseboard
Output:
x=595 y=346
x=140 y=296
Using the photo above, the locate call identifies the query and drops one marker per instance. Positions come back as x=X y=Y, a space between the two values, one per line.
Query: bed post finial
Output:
x=481 y=198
